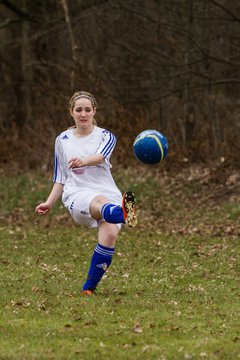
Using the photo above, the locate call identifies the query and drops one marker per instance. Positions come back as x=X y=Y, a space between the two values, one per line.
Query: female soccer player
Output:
x=83 y=178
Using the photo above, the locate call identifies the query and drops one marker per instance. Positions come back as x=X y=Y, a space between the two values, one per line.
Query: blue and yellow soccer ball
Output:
x=150 y=147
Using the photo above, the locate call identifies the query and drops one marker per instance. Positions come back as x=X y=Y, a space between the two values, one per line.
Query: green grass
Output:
x=168 y=294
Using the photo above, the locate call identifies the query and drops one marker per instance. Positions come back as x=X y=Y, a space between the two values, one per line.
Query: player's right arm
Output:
x=59 y=179
x=53 y=197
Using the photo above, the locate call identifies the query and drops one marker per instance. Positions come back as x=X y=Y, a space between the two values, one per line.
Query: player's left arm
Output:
x=91 y=160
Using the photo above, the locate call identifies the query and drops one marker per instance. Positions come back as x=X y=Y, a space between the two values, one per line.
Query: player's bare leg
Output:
x=111 y=215
x=96 y=206
x=107 y=234
x=104 y=251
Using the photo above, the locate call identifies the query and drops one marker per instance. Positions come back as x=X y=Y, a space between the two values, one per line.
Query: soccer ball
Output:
x=150 y=147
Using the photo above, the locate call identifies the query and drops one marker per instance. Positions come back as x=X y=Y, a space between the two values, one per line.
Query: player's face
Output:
x=83 y=113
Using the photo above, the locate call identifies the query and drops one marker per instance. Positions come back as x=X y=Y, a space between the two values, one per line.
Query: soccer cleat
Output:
x=87 y=292
x=129 y=209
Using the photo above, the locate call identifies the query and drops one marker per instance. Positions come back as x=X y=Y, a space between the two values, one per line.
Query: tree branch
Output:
x=15 y=9
x=225 y=10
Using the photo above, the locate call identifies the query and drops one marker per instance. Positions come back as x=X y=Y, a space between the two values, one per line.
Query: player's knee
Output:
x=112 y=235
x=96 y=206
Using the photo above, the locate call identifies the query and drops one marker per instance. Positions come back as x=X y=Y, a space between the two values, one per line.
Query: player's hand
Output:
x=42 y=208
x=76 y=163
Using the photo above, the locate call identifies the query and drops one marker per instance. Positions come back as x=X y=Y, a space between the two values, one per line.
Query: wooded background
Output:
x=170 y=65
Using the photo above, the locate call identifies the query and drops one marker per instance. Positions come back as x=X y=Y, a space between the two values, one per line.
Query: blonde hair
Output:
x=80 y=94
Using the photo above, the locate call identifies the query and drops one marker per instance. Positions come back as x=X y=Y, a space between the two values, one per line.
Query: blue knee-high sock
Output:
x=101 y=260
x=112 y=214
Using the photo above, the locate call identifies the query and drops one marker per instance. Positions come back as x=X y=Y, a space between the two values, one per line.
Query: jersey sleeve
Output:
x=59 y=174
x=107 y=145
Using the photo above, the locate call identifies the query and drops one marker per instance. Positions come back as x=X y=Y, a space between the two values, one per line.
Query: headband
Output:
x=80 y=96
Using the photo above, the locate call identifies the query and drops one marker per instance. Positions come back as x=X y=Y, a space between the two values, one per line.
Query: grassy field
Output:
x=172 y=291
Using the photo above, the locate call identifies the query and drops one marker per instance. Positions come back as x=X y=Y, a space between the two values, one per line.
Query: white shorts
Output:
x=79 y=208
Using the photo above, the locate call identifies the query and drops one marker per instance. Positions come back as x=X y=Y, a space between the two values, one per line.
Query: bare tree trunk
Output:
x=26 y=70
x=72 y=42
x=189 y=101
x=209 y=94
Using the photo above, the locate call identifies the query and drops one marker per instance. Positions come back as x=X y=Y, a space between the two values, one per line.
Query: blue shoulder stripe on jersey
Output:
x=109 y=146
x=55 y=168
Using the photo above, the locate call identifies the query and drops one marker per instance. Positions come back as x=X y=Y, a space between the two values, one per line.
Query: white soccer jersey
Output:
x=93 y=180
